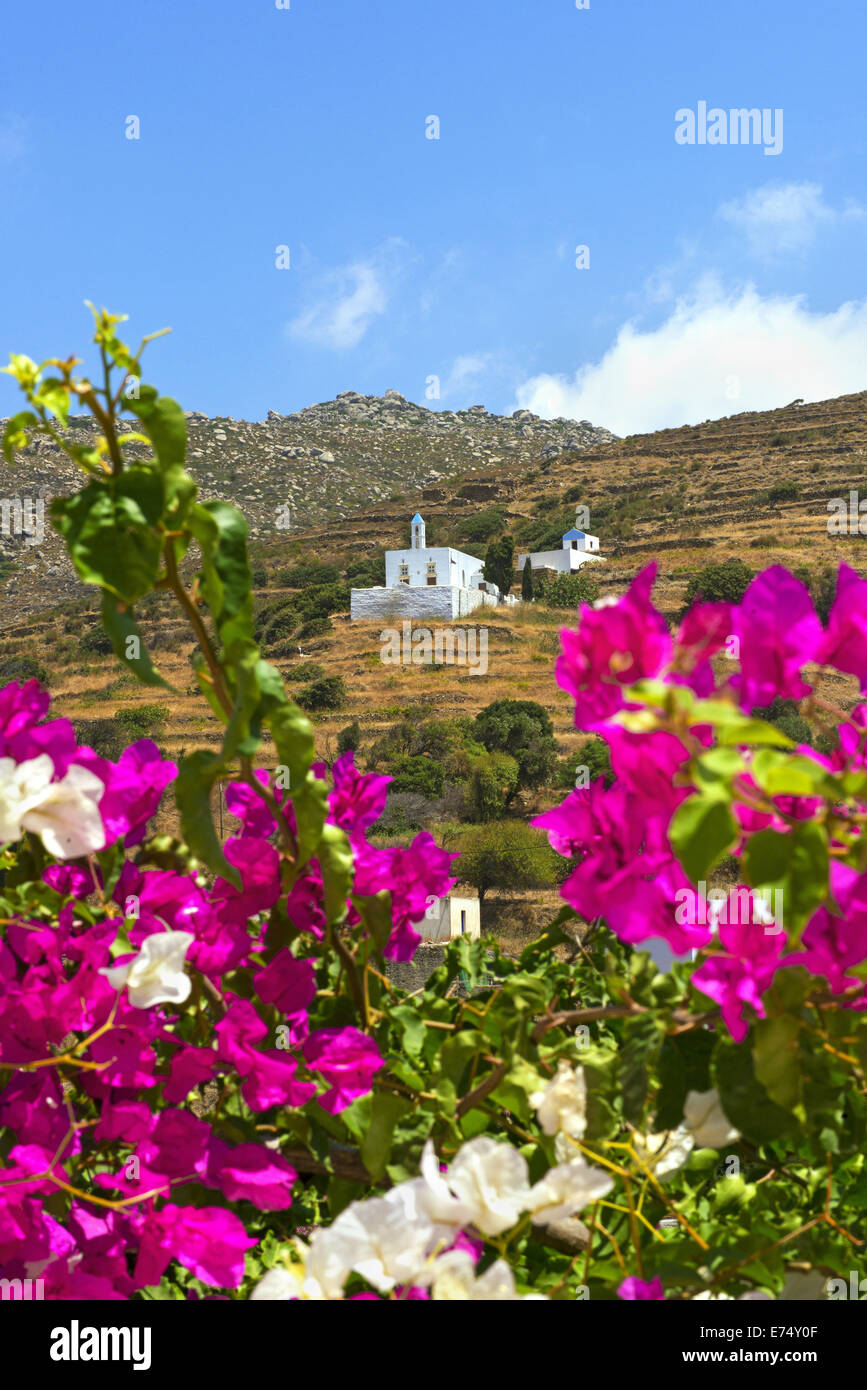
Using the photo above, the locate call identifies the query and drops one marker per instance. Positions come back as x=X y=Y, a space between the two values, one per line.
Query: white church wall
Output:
x=443 y=601
x=453 y=566
x=563 y=560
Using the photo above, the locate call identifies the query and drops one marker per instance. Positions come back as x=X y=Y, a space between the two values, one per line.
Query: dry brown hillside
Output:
x=684 y=497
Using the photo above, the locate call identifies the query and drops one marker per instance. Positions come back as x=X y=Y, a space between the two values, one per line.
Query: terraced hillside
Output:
x=754 y=486
x=290 y=472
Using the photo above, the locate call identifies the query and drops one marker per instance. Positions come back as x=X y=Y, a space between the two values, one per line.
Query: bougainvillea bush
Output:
x=209 y=1088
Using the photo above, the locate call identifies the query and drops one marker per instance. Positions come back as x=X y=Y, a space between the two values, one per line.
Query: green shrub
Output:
x=349 y=738
x=95 y=642
x=104 y=736
x=308 y=574
x=329 y=693
x=314 y=627
x=318 y=603
x=304 y=671
x=417 y=774
x=785 y=716
x=22 y=669
x=367 y=573
x=723 y=583
x=570 y=590
x=481 y=525
x=783 y=492
x=142 y=721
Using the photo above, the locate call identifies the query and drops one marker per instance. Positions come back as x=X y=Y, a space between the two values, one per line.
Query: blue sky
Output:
x=720 y=278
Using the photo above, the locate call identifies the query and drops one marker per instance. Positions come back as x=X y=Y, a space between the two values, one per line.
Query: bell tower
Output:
x=418 y=536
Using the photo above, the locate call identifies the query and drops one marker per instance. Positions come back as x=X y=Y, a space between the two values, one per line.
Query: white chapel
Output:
x=431 y=581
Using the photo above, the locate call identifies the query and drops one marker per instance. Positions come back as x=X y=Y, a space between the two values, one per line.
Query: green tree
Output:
x=499 y=563
x=593 y=759
x=493 y=783
x=522 y=729
x=527 y=582
x=507 y=854
x=421 y=775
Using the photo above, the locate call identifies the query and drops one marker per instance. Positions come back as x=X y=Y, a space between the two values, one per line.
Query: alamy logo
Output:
x=836 y=1289
x=847 y=519
x=75 y=1343
x=21 y=516
x=759 y=907
x=740 y=126
x=448 y=646
x=24 y=1289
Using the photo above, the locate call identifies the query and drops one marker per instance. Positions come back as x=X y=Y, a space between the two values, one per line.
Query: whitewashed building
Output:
x=578 y=548
x=447 y=918
x=426 y=581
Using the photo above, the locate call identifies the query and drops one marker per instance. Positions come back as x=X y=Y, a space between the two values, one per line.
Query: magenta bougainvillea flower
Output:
x=778 y=632
x=347 y=1060
x=642 y=1290
x=614 y=646
x=845 y=641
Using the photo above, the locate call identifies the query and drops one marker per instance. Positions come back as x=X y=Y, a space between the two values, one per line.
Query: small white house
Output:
x=447 y=918
x=578 y=548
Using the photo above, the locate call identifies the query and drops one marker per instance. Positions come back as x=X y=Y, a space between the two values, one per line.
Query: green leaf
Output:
x=196 y=777
x=293 y=734
x=776 y=1059
x=121 y=626
x=221 y=531
x=54 y=397
x=110 y=532
x=702 y=830
x=744 y=1099
x=412 y=1028
x=643 y=1038
x=15 y=435
x=375 y=912
x=779 y=775
x=336 y=862
x=796 y=863
x=385 y=1111
x=164 y=424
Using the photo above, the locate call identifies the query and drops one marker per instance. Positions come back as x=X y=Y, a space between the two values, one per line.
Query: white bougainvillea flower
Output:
x=705 y=1118
x=566 y=1189
x=65 y=813
x=456 y=1280
x=387 y=1240
x=277 y=1286
x=156 y=975
x=435 y=1196
x=493 y=1180
x=664 y=1153
x=562 y=1105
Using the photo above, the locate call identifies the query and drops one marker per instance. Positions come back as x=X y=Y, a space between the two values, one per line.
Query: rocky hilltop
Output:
x=325 y=462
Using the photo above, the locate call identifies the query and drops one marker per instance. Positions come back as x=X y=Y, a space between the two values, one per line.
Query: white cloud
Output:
x=716 y=354
x=354 y=297
x=466 y=371
x=783 y=219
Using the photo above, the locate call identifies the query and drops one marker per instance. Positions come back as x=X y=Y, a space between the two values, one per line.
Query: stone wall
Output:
x=437 y=601
x=414 y=974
